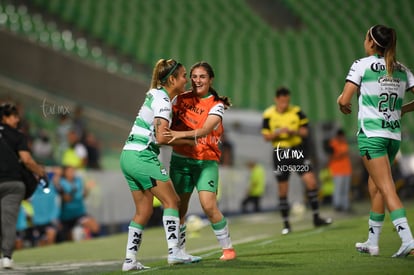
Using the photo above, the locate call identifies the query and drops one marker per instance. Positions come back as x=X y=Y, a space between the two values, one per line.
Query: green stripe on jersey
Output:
x=148 y=100
x=377 y=124
x=371 y=76
x=142 y=123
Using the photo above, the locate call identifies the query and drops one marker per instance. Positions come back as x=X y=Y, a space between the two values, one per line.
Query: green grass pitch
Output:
x=261 y=249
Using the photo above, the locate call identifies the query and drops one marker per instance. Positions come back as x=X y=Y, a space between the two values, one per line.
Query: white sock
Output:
x=403 y=229
x=171 y=228
x=374 y=232
x=223 y=237
x=134 y=242
x=183 y=230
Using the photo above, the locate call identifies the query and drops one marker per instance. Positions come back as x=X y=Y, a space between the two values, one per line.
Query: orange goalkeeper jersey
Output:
x=189 y=113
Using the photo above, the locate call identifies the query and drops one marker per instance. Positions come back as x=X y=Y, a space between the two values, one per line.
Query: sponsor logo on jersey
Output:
x=378 y=67
x=165 y=109
x=393 y=124
x=193 y=108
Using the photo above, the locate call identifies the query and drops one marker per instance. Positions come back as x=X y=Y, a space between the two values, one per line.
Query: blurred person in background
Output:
x=198 y=115
x=327 y=187
x=76 y=223
x=79 y=123
x=42 y=148
x=93 y=149
x=286 y=127
x=65 y=124
x=76 y=154
x=380 y=82
x=24 y=226
x=227 y=151
x=341 y=170
x=12 y=189
x=144 y=172
x=256 y=189
x=46 y=213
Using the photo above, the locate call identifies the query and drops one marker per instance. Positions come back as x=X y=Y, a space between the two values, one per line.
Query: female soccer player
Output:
x=198 y=116
x=145 y=174
x=380 y=81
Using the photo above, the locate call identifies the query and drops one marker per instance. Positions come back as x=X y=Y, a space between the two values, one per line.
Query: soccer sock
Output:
x=284 y=211
x=375 y=223
x=222 y=233
x=171 y=224
x=400 y=222
x=313 y=201
x=134 y=240
x=183 y=229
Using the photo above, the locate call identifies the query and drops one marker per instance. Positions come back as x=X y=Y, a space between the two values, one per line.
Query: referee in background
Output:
x=286 y=127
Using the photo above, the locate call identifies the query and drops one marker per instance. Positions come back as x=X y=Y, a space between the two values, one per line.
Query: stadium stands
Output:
x=250 y=57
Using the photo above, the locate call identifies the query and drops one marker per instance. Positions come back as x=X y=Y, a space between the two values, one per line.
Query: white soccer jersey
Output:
x=381 y=97
x=157 y=104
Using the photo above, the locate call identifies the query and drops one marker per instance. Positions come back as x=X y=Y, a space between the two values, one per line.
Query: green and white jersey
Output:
x=157 y=104
x=380 y=97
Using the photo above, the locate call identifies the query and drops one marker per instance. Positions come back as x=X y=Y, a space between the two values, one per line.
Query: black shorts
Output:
x=70 y=224
x=288 y=160
x=40 y=230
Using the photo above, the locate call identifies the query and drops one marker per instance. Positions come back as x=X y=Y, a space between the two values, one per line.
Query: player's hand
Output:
x=173 y=135
x=346 y=109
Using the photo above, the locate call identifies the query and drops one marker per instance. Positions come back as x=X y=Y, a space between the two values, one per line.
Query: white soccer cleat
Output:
x=194 y=259
x=367 y=248
x=404 y=250
x=179 y=258
x=130 y=264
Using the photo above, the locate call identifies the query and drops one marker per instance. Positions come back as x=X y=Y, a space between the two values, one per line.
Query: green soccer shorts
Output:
x=375 y=147
x=187 y=174
x=142 y=169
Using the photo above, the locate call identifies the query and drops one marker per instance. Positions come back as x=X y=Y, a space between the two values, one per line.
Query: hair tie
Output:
x=170 y=72
x=373 y=38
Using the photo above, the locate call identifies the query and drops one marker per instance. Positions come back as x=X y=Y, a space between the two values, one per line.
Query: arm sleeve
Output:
x=410 y=80
x=162 y=108
x=354 y=74
x=217 y=109
x=303 y=119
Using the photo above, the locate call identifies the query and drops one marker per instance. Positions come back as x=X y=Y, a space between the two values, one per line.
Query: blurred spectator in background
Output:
x=257 y=183
x=341 y=171
x=227 y=151
x=42 y=148
x=93 y=150
x=76 y=223
x=327 y=186
x=76 y=154
x=64 y=126
x=46 y=211
x=79 y=123
x=24 y=229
